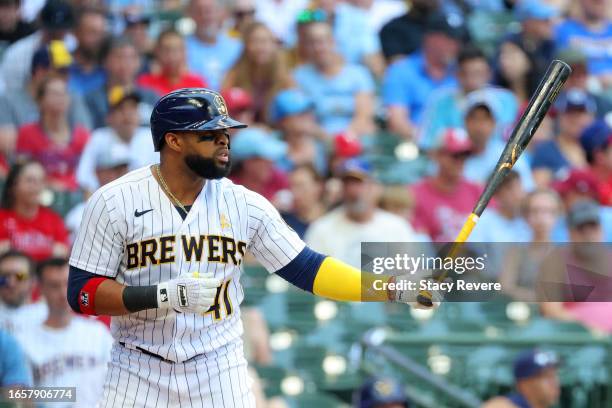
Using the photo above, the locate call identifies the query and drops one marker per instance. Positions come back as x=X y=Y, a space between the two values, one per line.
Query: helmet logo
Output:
x=220 y=104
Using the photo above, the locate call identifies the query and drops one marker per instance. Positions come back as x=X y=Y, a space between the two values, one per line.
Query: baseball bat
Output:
x=541 y=101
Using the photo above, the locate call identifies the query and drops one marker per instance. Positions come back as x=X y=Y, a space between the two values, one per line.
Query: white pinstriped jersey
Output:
x=131 y=232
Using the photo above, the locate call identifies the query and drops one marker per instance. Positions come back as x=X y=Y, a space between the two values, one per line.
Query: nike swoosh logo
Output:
x=140 y=213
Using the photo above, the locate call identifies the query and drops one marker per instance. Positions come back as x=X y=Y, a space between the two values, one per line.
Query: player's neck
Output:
x=182 y=182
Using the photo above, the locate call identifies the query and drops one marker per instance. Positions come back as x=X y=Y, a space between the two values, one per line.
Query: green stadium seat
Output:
x=316 y=400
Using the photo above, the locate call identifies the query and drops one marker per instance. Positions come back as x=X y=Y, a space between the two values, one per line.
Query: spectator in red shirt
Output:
x=170 y=70
x=52 y=140
x=446 y=199
x=25 y=225
x=596 y=140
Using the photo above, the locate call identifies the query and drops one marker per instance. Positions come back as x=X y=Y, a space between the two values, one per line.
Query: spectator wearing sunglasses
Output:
x=16 y=282
x=242 y=16
x=447 y=197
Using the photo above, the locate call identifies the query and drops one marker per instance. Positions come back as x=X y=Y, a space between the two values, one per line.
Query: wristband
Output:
x=137 y=298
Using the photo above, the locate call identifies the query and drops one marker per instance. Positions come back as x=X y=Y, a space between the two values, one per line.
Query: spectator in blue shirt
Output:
x=481 y=117
x=590 y=33
x=210 y=51
x=292 y=112
x=410 y=81
x=85 y=73
x=504 y=222
x=356 y=40
x=446 y=107
x=14 y=370
x=553 y=159
x=343 y=93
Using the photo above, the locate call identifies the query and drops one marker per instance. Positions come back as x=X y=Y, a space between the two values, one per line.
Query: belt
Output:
x=147 y=352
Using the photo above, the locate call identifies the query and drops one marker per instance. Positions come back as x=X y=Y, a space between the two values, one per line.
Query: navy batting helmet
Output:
x=190 y=109
x=380 y=391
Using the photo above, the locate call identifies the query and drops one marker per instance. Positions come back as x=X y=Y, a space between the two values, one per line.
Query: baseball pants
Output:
x=217 y=379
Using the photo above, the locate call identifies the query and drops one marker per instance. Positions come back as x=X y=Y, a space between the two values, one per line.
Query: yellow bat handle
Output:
x=464 y=234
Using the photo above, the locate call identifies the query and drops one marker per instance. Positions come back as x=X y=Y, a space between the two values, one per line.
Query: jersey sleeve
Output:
x=272 y=241
x=98 y=247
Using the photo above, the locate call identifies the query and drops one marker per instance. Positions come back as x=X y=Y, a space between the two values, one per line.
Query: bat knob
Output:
x=424 y=300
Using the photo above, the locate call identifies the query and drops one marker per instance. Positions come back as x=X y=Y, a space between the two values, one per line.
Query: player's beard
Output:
x=207 y=167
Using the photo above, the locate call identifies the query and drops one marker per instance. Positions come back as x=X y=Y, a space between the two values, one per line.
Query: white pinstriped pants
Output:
x=220 y=379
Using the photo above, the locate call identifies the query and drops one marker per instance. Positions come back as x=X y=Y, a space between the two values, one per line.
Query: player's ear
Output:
x=174 y=141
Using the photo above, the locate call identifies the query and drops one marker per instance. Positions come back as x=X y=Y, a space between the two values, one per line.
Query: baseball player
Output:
x=161 y=249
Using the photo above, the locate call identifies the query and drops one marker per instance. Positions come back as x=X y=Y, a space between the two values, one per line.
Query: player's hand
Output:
x=411 y=297
x=191 y=293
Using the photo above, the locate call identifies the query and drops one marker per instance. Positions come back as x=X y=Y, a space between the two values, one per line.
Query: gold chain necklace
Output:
x=167 y=190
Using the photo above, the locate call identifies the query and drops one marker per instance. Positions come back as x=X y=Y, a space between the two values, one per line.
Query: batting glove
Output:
x=193 y=293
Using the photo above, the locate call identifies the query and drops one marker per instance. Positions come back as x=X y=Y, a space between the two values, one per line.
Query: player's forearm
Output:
x=93 y=294
x=337 y=280
x=109 y=299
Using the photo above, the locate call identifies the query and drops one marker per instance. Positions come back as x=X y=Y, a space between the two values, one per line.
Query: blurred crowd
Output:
x=325 y=86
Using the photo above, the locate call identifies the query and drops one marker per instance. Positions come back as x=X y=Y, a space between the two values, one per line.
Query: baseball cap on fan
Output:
x=482 y=98
x=254 y=142
x=532 y=362
x=535 y=10
x=455 y=141
x=583 y=212
x=596 y=136
x=575 y=100
x=112 y=155
x=578 y=181
x=119 y=94
x=57 y=15
x=356 y=168
x=290 y=102
x=54 y=55
x=237 y=100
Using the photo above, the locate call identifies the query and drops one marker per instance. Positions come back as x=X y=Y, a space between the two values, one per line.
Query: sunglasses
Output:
x=244 y=13
x=460 y=156
x=311 y=16
x=19 y=276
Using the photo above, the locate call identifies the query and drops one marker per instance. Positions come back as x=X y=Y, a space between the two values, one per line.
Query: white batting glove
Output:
x=411 y=297
x=190 y=293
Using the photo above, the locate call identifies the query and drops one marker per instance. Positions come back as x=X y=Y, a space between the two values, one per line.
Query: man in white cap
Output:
x=111 y=162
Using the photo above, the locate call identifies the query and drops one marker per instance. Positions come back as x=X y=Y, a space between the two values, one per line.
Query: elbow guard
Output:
x=82 y=287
